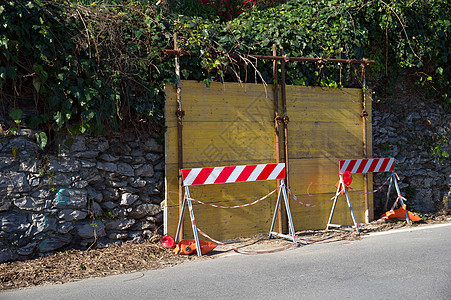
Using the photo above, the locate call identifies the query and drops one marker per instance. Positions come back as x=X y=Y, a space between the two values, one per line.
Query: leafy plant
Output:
x=41 y=139
x=15 y=151
x=438 y=145
x=91 y=67
x=16 y=115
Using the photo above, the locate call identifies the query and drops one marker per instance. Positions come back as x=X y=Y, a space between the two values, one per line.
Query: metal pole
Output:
x=365 y=145
x=285 y=122
x=276 y=124
x=180 y=114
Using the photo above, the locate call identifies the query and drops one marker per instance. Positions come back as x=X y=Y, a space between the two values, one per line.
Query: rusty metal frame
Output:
x=277 y=120
x=180 y=52
x=180 y=113
x=364 y=116
x=177 y=52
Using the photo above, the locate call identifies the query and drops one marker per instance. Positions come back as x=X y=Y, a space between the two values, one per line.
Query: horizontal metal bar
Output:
x=339 y=226
x=283 y=235
x=179 y=52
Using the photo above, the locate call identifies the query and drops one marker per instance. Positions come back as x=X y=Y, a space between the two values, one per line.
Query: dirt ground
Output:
x=150 y=255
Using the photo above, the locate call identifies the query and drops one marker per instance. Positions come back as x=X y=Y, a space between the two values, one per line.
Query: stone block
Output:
x=146 y=209
x=14 y=222
x=72 y=215
x=88 y=230
x=125 y=169
x=5 y=203
x=54 y=242
x=145 y=171
x=106 y=166
x=7 y=254
x=128 y=199
x=120 y=224
x=29 y=203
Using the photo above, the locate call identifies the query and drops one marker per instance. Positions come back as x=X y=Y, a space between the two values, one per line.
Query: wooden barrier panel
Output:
x=325 y=126
x=224 y=125
x=233 y=124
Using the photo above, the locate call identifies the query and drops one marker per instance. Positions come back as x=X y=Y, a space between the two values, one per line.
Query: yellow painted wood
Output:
x=211 y=143
x=325 y=126
x=232 y=124
x=224 y=125
x=324 y=122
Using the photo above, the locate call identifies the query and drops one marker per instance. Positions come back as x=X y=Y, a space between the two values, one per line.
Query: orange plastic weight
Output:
x=400 y=213
x=188 y=246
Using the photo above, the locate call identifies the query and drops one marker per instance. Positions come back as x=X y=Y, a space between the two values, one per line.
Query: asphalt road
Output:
x=412 y=263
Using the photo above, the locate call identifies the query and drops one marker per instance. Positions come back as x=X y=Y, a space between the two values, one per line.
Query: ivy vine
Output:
x=90 y=67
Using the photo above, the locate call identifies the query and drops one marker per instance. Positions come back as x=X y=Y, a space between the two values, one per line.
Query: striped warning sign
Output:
x=369 y=165
x=201 y=176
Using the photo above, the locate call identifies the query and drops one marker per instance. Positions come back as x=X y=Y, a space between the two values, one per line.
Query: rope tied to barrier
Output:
x=248 y=251
x=373 y=191
x=296 y=199
x=236 y=206
x=307 y=204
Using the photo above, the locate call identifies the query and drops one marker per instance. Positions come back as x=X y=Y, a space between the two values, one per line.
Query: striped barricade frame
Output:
x=368 y=165
x=235 y=174
x=362 y=166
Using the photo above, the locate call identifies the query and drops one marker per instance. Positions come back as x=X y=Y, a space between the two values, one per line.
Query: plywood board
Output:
x=325 y=126
x=232 y=124
x=225 y=124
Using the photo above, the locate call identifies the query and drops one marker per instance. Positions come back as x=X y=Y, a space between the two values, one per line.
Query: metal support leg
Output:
x=193 y=222
x=333 y=206
x=292 y=233
x=399 y=196
x=342 y=185
x=182 y=213
x=275 y=211
x=287 y=207
x=388 y=192
x=352 y=211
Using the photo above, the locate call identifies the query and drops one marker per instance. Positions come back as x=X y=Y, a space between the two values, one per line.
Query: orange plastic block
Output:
x=188 y=246
x=400 y=213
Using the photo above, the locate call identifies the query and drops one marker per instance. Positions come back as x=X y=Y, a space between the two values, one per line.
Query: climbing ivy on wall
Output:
x=81 y=66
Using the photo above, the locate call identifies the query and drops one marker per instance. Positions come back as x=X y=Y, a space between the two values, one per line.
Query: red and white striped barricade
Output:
x=362 y=166
x=233 y=174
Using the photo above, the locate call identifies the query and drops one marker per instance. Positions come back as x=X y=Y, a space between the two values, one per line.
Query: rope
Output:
x=373 y=191
x=308 y=204
x=236 y=206
x=193 y=222
x=247 y=251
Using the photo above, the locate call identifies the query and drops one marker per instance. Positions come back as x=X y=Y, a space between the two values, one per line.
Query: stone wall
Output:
x=411 y=132
x=95 y=192
x=99 y=191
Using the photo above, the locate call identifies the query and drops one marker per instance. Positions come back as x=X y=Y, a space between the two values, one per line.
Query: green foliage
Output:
x=90 y=67
x=16 y=116
x=93 y=66
x=15 y=151
x=439 y=142
x=41 y=139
